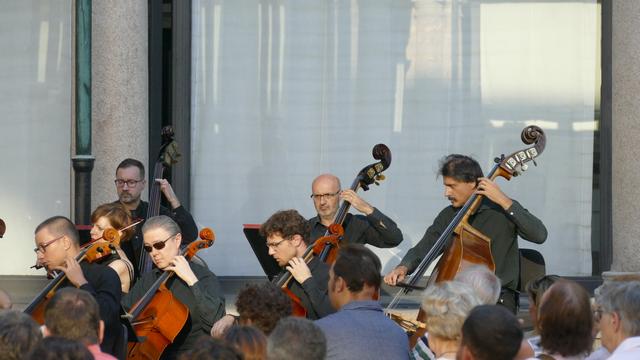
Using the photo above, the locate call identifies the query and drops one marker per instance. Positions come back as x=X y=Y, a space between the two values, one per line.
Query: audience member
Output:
x=360 y=328
x=490 y=332
x=535 y=289
x=446 y=306
x=248 y=340
x=208 y=348
x=297 y=338
x=619 y=318
x=18 y=334
x=260 y=306
x=565 y=321
x=73 y=314
x=59 y=348
x=484 y=283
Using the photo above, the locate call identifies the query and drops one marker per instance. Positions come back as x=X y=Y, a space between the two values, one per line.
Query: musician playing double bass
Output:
x=57 y=245
x=372 y=227
x=499 y=217
x=194 y=286
x=130 y=182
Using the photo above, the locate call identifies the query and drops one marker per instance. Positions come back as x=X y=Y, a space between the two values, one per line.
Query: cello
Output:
x=91 y=252
x=167 y=156
x=3 y=228
x=460 y=243
x=158 y=316
x=326 y=247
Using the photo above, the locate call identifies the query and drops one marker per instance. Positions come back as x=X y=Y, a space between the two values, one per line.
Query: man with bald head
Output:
x=372 y=227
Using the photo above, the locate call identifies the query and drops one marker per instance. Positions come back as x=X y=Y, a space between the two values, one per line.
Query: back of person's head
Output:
x=286 y=223
x=59 y=226
x=484 y=283
x=74 y=314
x=565 y=320
x=460 y=167
x=623 y=298
x=446 y=306
x=248 y=340
x=296 y=338
x=358 y=266
x=262 y=306
x=118 y=216
x=491 y=332
x=208 y=348
x=5 y=300
x=537 y=287
x=161 y=222
x=59 y=348
x=126 y=163
x=18 y=334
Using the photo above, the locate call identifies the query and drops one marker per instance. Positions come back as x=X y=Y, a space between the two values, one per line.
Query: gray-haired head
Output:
x=296 y=338
x=622 y=298
x=161 y=222
x=485 y=284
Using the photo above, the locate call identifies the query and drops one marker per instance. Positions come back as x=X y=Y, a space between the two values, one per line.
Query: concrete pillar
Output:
x=120 y=91
x=625 y=135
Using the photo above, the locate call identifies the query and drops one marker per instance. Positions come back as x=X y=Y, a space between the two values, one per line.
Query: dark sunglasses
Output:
x=158 y=245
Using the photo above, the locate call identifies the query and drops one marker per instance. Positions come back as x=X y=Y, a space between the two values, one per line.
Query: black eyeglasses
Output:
x=130 y=183
x=318 y=197
x=157 y=245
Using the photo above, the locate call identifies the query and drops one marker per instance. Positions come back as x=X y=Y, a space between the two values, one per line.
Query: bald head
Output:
x=326 y=180
x=5 y=300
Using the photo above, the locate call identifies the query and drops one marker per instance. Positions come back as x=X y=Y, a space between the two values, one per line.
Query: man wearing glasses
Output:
x=373 y=227
x=57 y=246
x=194 y=285
x=130 y=183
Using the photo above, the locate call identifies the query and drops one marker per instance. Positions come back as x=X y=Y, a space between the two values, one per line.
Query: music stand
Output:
x=259 y=246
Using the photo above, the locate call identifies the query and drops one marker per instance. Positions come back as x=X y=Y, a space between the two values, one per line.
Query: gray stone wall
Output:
x=120 y=107
x=626 y=135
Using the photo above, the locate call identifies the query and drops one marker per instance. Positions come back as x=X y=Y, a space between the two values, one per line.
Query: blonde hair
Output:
x=446 y=306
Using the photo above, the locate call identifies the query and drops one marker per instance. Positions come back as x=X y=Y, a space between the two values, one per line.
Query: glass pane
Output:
x=35 y=98
x=286 y=90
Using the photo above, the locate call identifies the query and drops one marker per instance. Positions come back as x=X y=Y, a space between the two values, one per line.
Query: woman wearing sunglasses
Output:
x=114 y=215
x=193 y=285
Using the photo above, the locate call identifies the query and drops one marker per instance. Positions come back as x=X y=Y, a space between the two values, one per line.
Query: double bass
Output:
x=158 y=317
x=326 y=247
x=460 y=243
x=90 y=252
x=167 y=156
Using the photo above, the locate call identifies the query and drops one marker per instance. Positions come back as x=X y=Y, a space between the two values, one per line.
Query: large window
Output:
x=35 y=98
x=286 y=90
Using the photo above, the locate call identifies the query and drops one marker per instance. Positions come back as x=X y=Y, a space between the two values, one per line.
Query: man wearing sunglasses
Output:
x=130 y=182
x=57 y=246
x=193 y=285
x=372 y=227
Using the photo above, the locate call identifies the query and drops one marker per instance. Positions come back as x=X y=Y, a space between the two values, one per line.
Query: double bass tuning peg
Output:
x=380 y=177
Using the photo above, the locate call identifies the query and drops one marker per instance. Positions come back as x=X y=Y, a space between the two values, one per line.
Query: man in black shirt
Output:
x=372 y=228
x=498 y=217
x=57 y=245
x=130 y=183
x=194 y=286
